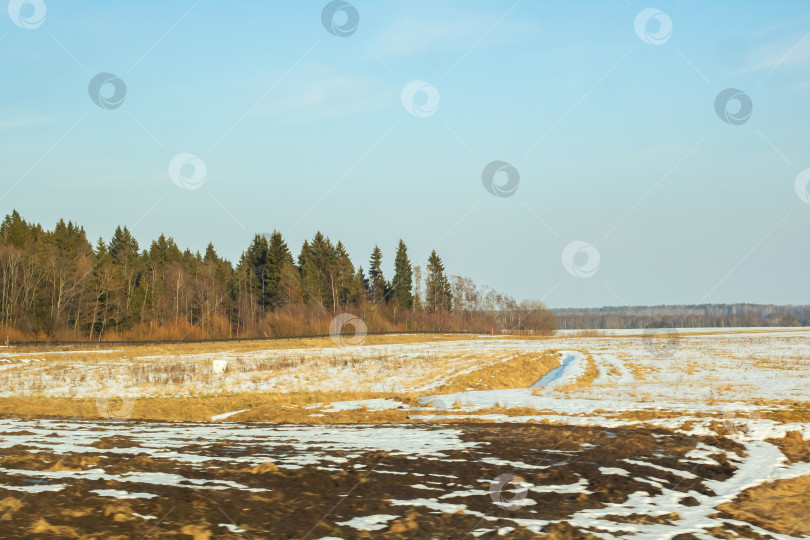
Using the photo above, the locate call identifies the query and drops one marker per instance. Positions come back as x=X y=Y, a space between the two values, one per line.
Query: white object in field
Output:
x=226 y=415
x=220 y=365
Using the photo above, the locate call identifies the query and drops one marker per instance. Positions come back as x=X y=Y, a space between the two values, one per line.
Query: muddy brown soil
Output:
x=54 y=481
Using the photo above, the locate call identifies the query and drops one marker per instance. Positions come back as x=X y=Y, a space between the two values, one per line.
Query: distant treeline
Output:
x=685 y=316
x=57 y=285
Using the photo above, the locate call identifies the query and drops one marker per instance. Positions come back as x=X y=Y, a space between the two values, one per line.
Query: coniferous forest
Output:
x=683 y=316
x=57 y=285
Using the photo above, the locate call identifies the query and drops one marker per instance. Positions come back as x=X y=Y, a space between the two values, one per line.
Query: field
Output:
x=683 y=435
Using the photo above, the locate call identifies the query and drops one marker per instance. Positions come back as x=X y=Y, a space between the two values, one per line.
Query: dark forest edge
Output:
x=682 y=316
x=348 y=334
x=56 y=286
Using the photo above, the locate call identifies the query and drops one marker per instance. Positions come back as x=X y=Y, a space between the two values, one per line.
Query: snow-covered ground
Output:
x=709 y=330
x=726 y=366
x=377 y=368
x=606 y=386
x=439 y=469
x=731 y=376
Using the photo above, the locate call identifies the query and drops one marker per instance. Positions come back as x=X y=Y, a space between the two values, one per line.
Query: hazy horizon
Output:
x=626 y=186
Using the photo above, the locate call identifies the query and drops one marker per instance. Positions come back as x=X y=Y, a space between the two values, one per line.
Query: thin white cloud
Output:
x=319 y=92
x=793 y=22
x=19 y=121
x=784 y=45
x=411 y=35
x=789 y=52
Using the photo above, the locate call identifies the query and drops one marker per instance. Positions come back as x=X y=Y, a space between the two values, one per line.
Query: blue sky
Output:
x=616 y=140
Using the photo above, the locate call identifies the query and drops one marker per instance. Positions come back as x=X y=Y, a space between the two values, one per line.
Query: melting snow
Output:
x=369 y=523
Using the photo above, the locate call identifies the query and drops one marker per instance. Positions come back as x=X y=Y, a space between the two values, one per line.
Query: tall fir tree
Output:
x=310 y=281
x=255 y=259
x=376 y=281
x=278 y=258
x=345 y=276
x=123 y=250
x=323 y=256
x=438 y=295
x=402 y=283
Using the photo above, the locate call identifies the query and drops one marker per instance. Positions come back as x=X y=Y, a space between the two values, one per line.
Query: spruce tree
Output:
x=402 y=284
x=211 y=256
x=345 y=276
x=359 y=288
x=123 y=250
x=438 y=295
x=255 y=258
x=278 y=257
x=323 y=256
x=376 y=281
x=310 y=279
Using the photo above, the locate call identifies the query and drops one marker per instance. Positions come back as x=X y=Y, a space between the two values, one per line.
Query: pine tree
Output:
x=438 y=295
x=359 y=288
x=66 y=262
x=15 y=231
x=123 y=247
x=324 y=257
x=123 y=250
x=164 y=250
x=211 y=256
x=213 y=284
x=417 y=288
x=310 y=280
x=255 y=261
x=103 y=284
x=402 y=284
x=278 y=257
x=363 y=279
x=344 y=270
x=289 y=287
x=376 y=281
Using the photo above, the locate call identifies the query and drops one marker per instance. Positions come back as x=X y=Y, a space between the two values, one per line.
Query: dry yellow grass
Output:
x=519 y=372
x=642 y=372
x=178 y=382
x=296 y=408
x=614 y=371
x=586 y=333
x=781 y=506
x=187 y=408
x=92 y=350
